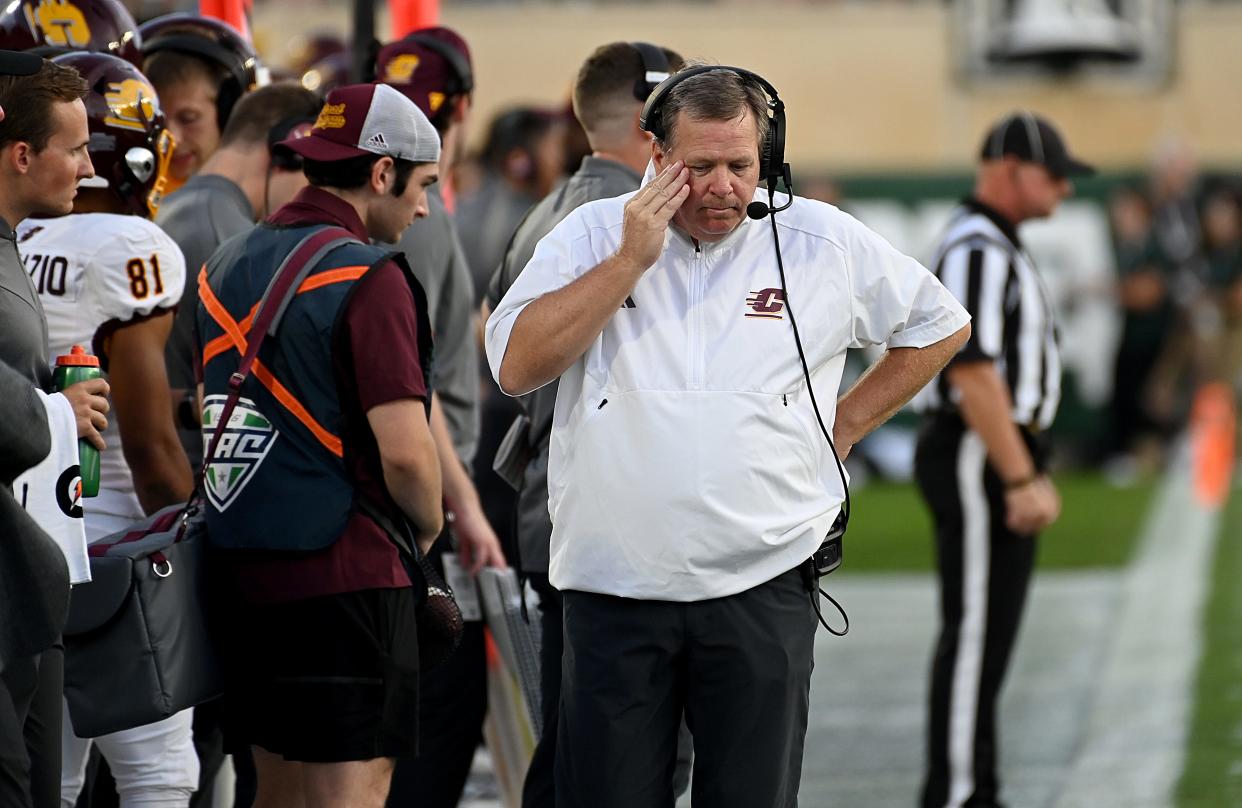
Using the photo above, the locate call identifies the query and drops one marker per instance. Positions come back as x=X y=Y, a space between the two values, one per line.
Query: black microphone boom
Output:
x=757 y=210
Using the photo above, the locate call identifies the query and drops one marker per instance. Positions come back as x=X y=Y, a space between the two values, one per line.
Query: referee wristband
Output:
x=1022 y=482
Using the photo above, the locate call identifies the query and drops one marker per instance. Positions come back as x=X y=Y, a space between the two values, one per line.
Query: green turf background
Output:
x=890 y=528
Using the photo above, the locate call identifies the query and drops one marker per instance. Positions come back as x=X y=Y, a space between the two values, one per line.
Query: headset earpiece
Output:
x=655 y=69
x=227 y=97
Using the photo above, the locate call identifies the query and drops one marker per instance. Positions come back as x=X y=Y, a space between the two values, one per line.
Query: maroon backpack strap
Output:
x=280 y=291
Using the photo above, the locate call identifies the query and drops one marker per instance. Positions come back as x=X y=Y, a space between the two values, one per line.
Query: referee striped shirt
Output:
x=983 y=264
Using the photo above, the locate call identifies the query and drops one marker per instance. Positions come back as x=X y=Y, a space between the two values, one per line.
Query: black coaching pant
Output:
x=984 y=573
x=739 y=667
x=539 y=788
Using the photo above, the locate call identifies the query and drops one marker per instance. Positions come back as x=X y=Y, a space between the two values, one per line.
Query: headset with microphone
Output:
x=773 y=170
x=772 y=166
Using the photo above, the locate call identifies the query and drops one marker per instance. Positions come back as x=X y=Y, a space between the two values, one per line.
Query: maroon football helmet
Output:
x=129 y=146
x=214 y=41
x=50 y=27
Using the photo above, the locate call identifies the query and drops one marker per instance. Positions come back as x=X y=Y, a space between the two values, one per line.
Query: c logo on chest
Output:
x=766 y=303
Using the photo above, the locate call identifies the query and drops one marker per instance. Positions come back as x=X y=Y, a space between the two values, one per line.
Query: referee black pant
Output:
x=739 y=667
x=984 y=573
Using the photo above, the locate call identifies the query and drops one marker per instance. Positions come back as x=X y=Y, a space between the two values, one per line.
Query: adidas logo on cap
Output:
x=377 y=141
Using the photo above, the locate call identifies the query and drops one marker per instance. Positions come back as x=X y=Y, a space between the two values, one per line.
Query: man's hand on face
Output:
x=648 y=213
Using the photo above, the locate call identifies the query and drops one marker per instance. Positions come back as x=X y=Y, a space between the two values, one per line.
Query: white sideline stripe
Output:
x=967 y=667
x=1135 y=741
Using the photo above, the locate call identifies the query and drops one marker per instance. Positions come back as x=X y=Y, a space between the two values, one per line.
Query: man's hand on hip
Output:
x=648 y=213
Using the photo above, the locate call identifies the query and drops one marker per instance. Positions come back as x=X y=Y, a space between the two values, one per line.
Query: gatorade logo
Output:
x=132 y=104
x=69 y=492
x=61 y=23
x=247 y=439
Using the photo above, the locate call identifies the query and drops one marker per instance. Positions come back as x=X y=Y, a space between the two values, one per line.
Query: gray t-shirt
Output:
x=23 y=326
x=596 y=178
x=204 y=213
x=486 y=220
x=434 y=252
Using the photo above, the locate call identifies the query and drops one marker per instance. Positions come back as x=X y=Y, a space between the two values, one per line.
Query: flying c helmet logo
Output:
x=401 y=69
x=247 y=439
x=60 y=22
x=131 y=104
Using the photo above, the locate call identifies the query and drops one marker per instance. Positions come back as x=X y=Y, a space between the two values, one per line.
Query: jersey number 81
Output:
x=139 y=286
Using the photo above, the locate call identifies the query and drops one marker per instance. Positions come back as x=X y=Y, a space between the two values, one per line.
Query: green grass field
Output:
x=1212 y=776
x=890 y=528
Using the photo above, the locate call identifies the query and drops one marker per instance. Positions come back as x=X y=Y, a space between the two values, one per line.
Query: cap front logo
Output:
x=61 y=23
x=766 y=303
x=332 y=116
x=132 y=103
x=401 y=69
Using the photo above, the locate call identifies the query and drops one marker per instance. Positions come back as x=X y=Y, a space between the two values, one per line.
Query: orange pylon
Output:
x=1212 y=423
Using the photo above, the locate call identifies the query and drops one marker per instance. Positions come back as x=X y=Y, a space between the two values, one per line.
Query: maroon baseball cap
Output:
x=428 y=65
x=364 y=119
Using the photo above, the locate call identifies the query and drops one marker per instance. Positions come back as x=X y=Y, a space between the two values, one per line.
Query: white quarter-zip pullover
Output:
x=686 y=462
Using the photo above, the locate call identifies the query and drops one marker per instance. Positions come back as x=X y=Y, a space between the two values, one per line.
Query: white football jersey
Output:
x=95 y=272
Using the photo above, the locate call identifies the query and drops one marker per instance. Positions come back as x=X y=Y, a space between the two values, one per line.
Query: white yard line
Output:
x=1135 y=743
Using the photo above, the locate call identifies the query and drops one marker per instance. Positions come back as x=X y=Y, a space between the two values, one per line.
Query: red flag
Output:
x=231 y=11
x=410 y=15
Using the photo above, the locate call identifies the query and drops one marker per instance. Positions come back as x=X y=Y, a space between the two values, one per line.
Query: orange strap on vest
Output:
x=234 y=338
